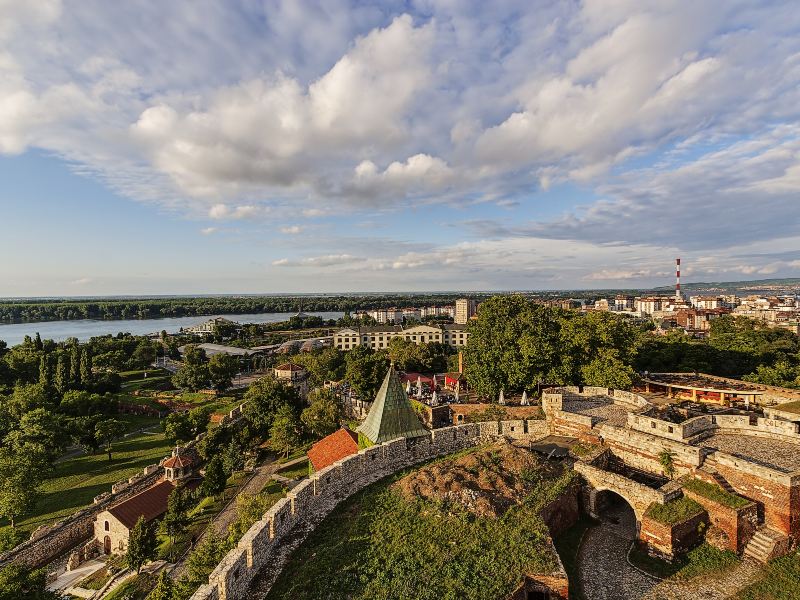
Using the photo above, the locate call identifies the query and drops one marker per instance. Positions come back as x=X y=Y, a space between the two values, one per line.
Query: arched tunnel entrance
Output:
x=610 y=507
x=603 y=569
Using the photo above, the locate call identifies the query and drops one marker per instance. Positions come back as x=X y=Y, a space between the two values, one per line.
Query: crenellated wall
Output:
x=264 y=548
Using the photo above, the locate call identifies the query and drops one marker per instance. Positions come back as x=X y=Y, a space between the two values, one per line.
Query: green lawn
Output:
x=778 y=581
x=674 y=511
x=296 y=471
x=703 y=560
x=567 y=546
x=135 y=588
x=76 y=481
x=376 y=544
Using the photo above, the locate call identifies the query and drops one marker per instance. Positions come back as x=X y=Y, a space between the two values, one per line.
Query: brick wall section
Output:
x=737 y=524
x=265 y=547
x=668 y=541
x=777 y=494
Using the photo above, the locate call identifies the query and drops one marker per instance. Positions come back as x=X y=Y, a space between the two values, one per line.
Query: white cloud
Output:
x=208 y=230
x=225 y=212
x=329 y=260
x=291 y=230
x=82 y=281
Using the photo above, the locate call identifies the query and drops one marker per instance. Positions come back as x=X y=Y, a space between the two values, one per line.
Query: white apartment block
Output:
x=378 y=338
x=465 y=309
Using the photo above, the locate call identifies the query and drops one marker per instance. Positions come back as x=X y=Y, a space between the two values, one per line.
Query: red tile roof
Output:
x=334 y=447
x=150 y=504
x=180 y=461
x=289 y=367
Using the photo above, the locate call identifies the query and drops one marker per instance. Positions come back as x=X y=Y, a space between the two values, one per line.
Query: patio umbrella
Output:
x=501 y=400
x=419 y=386
x=434 y=399
x=408 y=386
x=524 y=401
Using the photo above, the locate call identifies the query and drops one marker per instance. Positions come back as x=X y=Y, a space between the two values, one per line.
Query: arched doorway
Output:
x=615 y=510
x=107 y=545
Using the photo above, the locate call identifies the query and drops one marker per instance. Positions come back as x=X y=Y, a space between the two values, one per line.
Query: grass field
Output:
x=703 y=560
x=779 y=580
x=76 y=481
x=377 y=544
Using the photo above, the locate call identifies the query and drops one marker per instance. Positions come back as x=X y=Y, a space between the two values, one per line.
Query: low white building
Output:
x=378 y=338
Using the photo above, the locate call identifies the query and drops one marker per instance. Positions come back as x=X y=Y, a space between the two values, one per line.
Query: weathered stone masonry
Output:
x=264 y=548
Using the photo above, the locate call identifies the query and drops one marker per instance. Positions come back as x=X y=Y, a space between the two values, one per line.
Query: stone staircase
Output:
x=766 y=544
x=718 y=478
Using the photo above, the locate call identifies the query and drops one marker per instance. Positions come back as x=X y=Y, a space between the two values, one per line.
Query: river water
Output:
x=84 y=329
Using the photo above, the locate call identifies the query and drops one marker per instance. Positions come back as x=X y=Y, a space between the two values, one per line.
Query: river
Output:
x=83 y=329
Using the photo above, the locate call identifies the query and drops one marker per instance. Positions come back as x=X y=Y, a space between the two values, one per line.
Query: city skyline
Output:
x=268 y=147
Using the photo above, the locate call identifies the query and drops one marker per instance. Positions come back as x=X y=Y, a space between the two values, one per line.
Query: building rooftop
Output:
x=334 y=447
x=289 y=367
x=391 y=415
x=212 y=349
x=150 y=504
x=702 y=382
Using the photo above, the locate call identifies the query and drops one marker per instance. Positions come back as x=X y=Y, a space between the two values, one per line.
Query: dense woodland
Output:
x=516 y=344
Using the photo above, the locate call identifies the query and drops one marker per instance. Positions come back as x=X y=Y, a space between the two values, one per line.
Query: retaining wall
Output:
x=264 y=548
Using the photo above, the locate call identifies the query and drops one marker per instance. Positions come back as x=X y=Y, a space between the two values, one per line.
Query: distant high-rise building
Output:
x=465 y=308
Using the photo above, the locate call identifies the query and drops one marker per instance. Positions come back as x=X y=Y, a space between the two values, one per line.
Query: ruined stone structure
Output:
x=753 y=457
x=260 y=554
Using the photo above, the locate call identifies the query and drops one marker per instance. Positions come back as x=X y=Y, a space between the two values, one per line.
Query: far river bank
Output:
x=83 y=329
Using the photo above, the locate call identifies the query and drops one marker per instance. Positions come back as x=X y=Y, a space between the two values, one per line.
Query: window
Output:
x=106 y=526
x=652 y=424
x=669 y=428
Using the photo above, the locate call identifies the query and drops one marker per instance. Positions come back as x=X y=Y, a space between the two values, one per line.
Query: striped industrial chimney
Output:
x=678 y=279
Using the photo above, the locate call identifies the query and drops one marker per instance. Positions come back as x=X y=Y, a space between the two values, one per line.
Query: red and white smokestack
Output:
x=678 y=278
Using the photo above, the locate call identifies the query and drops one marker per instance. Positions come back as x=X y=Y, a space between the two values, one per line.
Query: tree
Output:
x=142 y=544
x=233 y=457
x=21 y=474
x=607 y=370
x=107 y=431
x=178 y=428
x=75 y=365
x=222 y=368
x=176 y=519
x=26 y=398
x=62 y=379
x=18 y=582
x=45 y=371
x=512 y=345
x=193 y=374
x=144 y=355
x=41 y=431
x=215 y=478
x=285 y=430
x=86 y=376
x=82 y=431
x=667 y=461
x=323 y=416
x=263 y=399
x=164 y=590
x=365 y=370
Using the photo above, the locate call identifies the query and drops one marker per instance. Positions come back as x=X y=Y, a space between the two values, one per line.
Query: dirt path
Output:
x=227 y=515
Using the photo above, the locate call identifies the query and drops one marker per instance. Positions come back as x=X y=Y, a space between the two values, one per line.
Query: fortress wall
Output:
x=264 y=548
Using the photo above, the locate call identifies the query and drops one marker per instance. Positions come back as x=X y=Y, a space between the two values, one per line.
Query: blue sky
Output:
x=262 y=146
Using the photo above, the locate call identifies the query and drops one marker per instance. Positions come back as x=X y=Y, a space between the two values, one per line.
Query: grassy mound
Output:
x=380 y=544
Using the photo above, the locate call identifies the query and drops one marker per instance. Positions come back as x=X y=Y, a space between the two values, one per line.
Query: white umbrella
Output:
x=408 y=386
x=456 y=393
x=419 y=386
x=524 y=401
x=501 y=400
x=434 y=399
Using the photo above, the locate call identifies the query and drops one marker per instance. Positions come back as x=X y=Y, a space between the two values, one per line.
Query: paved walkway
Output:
x=603 y=567
x=67 y=578
x=711 y=587
x=227 y=515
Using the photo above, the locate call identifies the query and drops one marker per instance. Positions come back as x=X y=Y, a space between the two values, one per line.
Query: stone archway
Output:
x=107 y=545
x=607 y=504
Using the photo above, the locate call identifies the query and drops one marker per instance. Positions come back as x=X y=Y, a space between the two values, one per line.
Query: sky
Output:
x=256 y=146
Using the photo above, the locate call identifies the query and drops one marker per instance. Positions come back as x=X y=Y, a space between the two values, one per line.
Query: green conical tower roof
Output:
x=391 y=415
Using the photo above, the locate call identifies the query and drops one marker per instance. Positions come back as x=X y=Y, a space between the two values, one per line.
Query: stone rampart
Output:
x=264 y=548
x=48 y=543
x=667 y=429
x=641 y=450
